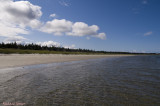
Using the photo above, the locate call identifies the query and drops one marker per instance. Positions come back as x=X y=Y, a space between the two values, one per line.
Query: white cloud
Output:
x=10 y=30
x=49 y=44
x=148 y=33
x=53 y=15
x=57 y=27
x=64 y=27
x=17 y=39
x=14 y=39
x=21 y=40
x=82 y=29
x=35 y=24
x=70 y=47
x=21 y=13
x=15 y=16
x=101 y=36
x=55 y=44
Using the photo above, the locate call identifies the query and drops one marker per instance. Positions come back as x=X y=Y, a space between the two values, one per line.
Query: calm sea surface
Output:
x=132 y=80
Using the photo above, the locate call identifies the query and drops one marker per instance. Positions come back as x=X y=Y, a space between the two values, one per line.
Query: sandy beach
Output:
x=15 y=60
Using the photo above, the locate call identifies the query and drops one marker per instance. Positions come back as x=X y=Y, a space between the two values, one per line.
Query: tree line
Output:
x=32 y=46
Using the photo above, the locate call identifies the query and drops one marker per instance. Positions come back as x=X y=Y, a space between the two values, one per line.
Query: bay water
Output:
x=128 y=80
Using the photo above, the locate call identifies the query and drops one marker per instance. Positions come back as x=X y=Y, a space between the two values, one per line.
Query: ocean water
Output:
x=122 y=81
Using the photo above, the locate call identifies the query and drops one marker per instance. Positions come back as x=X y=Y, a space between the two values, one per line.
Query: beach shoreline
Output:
x=17 y=60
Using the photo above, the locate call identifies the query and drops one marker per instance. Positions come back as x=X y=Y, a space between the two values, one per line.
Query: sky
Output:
x=108 y=25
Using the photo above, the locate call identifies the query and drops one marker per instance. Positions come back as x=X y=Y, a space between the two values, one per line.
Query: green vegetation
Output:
x=27 y=51
x=37 y=49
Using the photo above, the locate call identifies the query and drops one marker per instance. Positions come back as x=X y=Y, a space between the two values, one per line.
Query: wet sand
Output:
x=15 y=60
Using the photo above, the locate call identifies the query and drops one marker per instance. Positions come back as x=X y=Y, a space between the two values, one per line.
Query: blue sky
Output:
x=110 y=25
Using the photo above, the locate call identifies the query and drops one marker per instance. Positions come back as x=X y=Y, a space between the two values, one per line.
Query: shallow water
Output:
x=132 y=80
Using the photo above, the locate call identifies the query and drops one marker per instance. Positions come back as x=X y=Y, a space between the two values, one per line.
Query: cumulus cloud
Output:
x=17 y=39
x=22 y=13
x=101 y=36
x=70 y=47
x=10 y=30
x=55 y=44
x=57 y=27
x=53 y=15
x=49 y=44
x=148 y=33
x=64 y=27
x=16 y=16
x=82 y=29
x=23 y=41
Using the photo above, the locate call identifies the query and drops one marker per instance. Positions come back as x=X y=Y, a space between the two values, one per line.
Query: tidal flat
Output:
x=119 y=80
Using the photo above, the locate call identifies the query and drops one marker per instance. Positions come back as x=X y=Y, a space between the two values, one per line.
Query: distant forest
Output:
x=53 y=48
